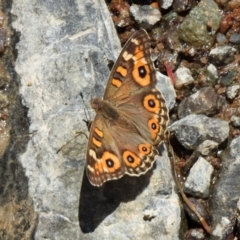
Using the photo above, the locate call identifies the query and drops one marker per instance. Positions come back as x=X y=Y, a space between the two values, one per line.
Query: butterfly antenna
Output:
x=87 y=120
x=81 y=132
x=85 y=107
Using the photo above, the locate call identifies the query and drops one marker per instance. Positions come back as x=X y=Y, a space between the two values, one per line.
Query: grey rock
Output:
x=61 y=54
x=238 y=205
x=207 y=147
x=232 y=91
x=226 y=191
x=183 y=76
x=212 y=73
x=165 y=86
x=199 y=179
x=221 y=38
x=5 y=129
x=222 y=54
x=235 y=38
x=218 y=230
x=146 y=16
x=193 y=130
x=165 y=4
x=204 y=101
x=195 y=28
x=228 y=78
x=182 y=5
x=235 y=121
x=197 y=234
x=4 y=101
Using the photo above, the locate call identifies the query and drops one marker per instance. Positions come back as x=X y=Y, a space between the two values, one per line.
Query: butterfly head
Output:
x=96 y=104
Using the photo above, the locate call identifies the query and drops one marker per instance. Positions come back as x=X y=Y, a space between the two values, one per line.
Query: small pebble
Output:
x=232 y=91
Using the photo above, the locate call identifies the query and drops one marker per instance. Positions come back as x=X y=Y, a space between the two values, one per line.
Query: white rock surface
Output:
x=61 y=54
x=146 y=16
x=212 y=72
x=194 y=129
x=207 y=147
x=232 y=91
x=183 y=76
x=199 y=179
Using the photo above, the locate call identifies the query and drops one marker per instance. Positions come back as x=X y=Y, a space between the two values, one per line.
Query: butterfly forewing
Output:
x=132 y=71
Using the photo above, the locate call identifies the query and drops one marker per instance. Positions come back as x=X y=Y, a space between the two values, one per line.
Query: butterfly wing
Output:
x=103 y=157
x=114 y=150
x=127 y=144
x=133 y=71
x=148 y=113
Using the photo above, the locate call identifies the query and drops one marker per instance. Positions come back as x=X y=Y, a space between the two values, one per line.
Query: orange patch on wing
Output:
x=98 y=168
x=130 y=159
x=138 y=49
x=151 y=99
x=144 y=148
x=108 y=157
x=138 y=55
x=98 y=132
x=154 y=127
x=116 y=82
x=96 y=142
x=122 y=71
x=143 y=81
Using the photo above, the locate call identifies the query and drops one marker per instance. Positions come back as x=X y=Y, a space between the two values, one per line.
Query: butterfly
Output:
x=131 y=119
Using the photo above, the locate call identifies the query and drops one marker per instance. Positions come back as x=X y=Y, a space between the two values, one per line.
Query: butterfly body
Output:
x=105 y=109
x=130 y=120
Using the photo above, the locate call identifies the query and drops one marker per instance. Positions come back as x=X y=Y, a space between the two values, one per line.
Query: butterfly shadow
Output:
x=96 y=203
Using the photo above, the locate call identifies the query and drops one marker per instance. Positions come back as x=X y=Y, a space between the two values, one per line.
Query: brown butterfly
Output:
x=131 y=119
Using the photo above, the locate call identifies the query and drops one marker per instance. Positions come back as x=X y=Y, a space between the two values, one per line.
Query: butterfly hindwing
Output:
x=114 y=151
x=103 y=159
